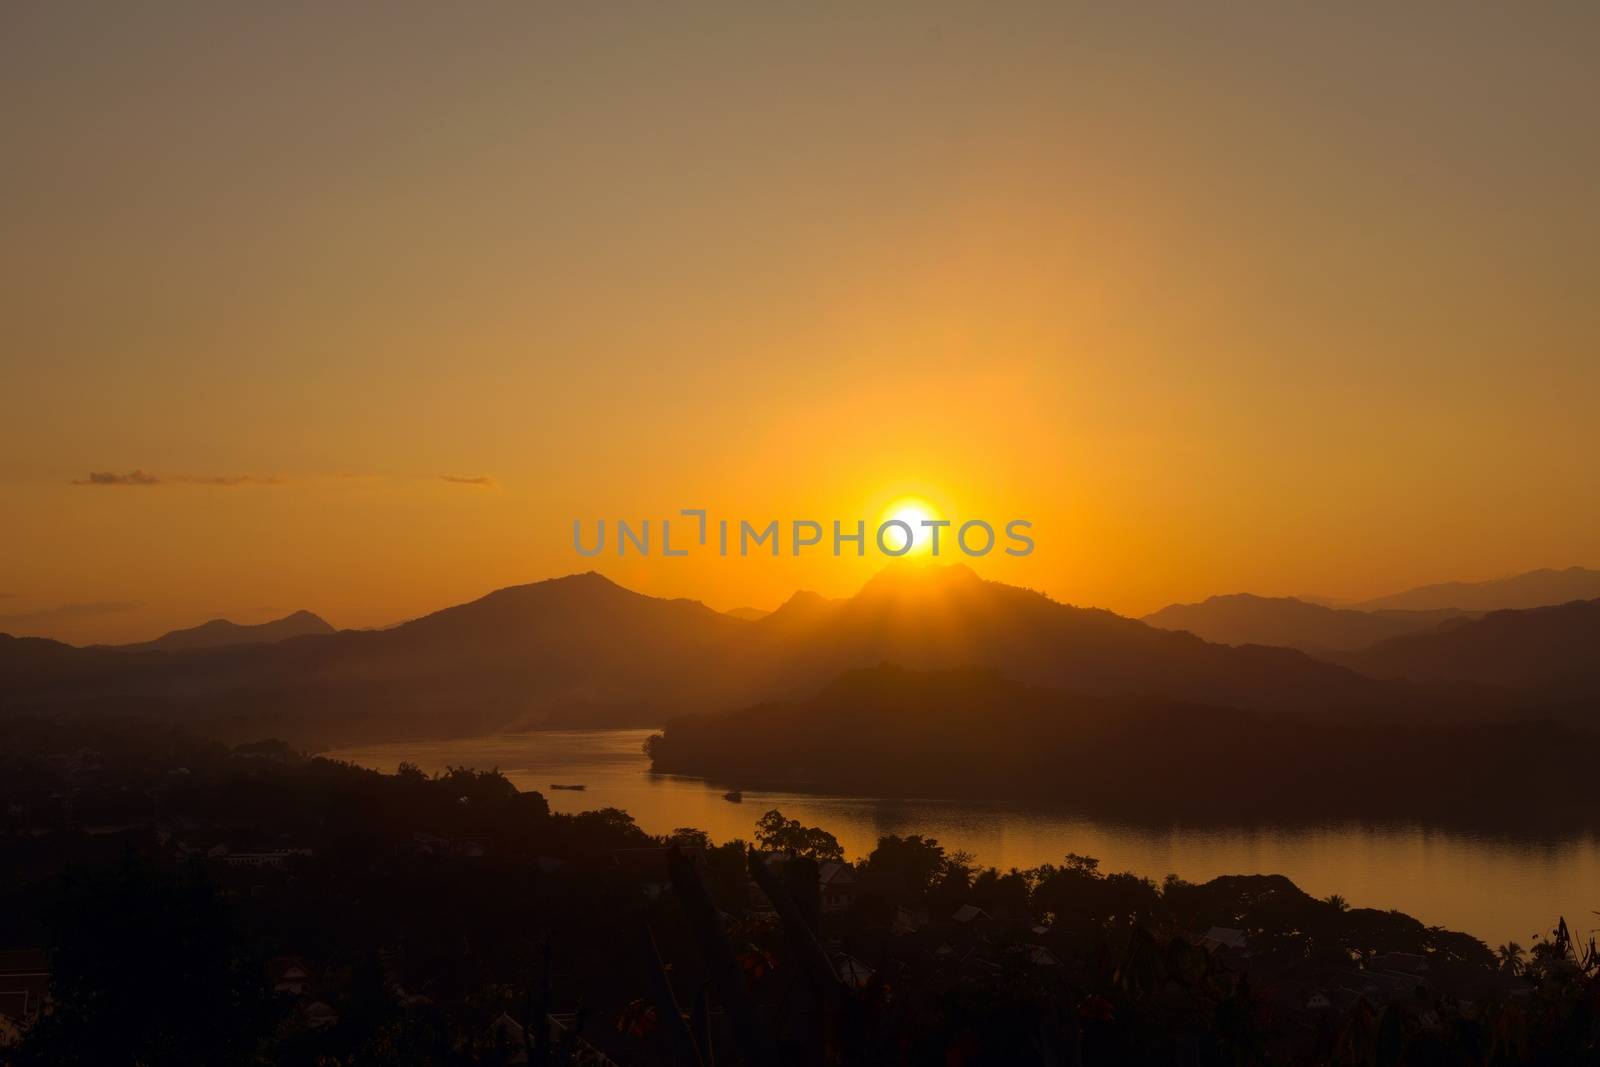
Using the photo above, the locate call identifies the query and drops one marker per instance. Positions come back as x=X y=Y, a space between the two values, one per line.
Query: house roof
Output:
x=907 y=921
x=1040 y=956
x=831 y=873
x=1224 y=935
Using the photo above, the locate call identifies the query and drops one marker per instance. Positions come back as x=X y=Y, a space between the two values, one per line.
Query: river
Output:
x=1496 y=887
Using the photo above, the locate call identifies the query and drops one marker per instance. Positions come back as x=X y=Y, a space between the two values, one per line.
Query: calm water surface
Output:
x=1498 y=888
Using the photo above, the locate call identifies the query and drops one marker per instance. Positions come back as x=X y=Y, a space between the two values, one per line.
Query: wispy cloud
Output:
x=228 y=480
x=140 y=477
x=133 y=477
x=144 y=478
x=70 y=611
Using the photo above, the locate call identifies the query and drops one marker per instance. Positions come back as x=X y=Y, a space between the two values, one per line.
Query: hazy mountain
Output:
x=747 y=614
x=31 y=664
x=570 y=650
x=582 y=650
x=562 y=647
x=974 y=733
x=220 y=632
x=794 y=617
x=1535 y=589
x=934 y=617
x=1244 y=619
x=1552 y=652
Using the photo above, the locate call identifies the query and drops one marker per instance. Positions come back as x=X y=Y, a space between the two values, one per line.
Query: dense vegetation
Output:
x=974 y=733
x=428 y=917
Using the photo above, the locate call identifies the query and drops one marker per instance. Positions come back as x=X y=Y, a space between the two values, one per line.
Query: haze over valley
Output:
x=924 y=655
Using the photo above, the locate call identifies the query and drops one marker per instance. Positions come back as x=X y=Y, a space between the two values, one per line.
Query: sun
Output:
x=913 y=510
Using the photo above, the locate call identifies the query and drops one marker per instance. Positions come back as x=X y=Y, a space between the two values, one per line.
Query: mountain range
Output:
x=1323 y=628
x=1548 y=655
x=582 y=650
x=1534 y=589
x=219 y=633
x=1245 y=619
x=937 y=617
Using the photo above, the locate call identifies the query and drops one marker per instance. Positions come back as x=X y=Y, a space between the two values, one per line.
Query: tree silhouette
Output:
x=917 y=859
x=1512 y=957
x=774 y=833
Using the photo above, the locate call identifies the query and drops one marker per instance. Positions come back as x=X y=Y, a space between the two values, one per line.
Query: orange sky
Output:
x=1220 y=301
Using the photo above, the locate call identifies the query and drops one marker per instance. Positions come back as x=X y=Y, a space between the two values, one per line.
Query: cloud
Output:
x=70 y=611
x=143 y=477
x=228 y=480
x=133 y=477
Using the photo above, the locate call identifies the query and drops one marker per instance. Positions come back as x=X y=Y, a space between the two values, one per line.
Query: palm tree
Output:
x=1511 y=955
x=1337 y=902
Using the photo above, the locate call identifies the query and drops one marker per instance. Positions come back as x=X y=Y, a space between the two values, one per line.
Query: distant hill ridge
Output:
x=219 y=633
x=583 y=651
x=1245 y=619
x=1552 y=653
x=1533 y=589
x=1321 y=627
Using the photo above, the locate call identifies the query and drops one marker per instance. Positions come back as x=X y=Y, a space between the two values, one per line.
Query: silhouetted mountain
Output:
x=1244 y=619
x=570 y=650
x=220 y=632
x=928 y=617
x=583 y=651
x=974 y=733
x=1551 y=653
x=795 y=616
x=747 y=614
x=1535 y=589
x=31 y=665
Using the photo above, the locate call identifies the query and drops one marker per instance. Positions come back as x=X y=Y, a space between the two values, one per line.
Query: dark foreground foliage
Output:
x=198 y=904
x=974 y=733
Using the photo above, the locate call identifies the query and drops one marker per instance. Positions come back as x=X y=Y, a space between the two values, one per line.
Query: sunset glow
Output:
x=1060 y=285
x=913 y=511
x=673 y=535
